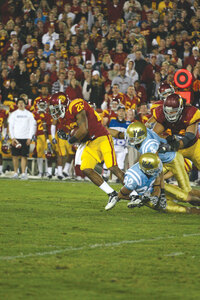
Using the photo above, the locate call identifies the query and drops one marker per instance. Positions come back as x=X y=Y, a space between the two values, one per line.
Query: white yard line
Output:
x=175 y=254
x=106 y=245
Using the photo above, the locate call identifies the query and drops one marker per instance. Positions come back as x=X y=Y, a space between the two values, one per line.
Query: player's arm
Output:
x=158 y=128
x=53 y=131
x=82 y=131
x=150 y=123
x=116 y=134
x=124 y=193
x=189 y=137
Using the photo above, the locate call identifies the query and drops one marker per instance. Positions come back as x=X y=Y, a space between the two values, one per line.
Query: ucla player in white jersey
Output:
x=146 y=180
x=119 y=124
x=146 y=140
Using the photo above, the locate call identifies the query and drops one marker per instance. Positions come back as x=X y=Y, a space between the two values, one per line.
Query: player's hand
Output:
x=34 y=138
x=62 y=135
x=28 y=142
x=173 y=142
x=136 y=201
x=163 y=148
x=49 y=147
x=162 y=203
x=54 y=141
x=6 y=137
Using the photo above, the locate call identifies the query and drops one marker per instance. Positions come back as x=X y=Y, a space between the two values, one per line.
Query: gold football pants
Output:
x=177 y=167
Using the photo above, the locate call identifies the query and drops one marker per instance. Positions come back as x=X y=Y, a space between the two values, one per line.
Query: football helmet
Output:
x=58 y=104
x=150 y=163
x=165 y=90
x=136 y=132
x=5 y=148
x=42 y=105
x=173 y=107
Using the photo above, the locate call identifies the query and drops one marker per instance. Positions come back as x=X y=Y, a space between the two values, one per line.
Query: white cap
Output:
x=95 y=72
x=195 y=48
x=13 y=33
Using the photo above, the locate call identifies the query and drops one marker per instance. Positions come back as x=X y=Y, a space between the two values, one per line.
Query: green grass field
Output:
x=58 y=242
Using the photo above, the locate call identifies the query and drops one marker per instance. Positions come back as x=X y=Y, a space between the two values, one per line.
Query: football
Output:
x=17 y=145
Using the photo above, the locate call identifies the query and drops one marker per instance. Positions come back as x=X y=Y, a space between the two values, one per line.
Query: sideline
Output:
x=88 y=247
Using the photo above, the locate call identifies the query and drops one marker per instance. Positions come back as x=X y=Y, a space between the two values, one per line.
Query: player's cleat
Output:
x=24 y=177
x=65 y=175
x=49 y=176
x=113 y=199
x=60 y=177
x=15 y=176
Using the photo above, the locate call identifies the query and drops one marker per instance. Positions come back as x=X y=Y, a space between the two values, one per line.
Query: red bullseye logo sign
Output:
x=183 y=78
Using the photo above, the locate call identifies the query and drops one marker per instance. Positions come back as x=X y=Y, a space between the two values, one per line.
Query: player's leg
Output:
x=89 y=159
x=109 y=157
x=40 y=148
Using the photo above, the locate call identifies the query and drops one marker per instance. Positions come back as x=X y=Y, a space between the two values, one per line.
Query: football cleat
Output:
x=113 y=199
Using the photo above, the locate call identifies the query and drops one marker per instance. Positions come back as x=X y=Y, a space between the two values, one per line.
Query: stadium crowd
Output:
x=114 y=54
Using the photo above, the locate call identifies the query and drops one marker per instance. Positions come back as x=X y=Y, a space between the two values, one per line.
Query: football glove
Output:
x=49 y=147
x=34 y=138
x=164 y=148
x=6 y=137
x=162 y=200
x=136 y=201
x=153 y=199
x=62 y=135
x=54 y=141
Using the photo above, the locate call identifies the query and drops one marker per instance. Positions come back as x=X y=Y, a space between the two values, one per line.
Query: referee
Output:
x=22 y=127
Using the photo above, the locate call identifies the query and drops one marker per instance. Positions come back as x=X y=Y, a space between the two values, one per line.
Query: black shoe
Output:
x=65 y=174
x=49 y=176
x=60 y=177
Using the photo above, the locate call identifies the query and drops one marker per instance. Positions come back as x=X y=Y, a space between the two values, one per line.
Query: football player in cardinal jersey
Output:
x=3 y=135
x=182 y=122
x=99 y=144
x=64 y=151
x=109 y=106
x=165 y=90
x=43 y=137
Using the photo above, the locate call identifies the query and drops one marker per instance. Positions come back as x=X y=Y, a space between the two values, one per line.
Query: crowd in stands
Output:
x=98 y=50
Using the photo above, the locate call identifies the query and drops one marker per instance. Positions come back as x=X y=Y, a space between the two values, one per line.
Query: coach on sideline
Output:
x=22 y=127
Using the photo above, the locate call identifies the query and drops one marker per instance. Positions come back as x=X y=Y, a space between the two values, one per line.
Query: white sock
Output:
x=60 y=172
x=40 y=165
x=66 y=168
x=56 y=171
x=1 y=168
x=49 y=170
x=198 y=174
x=106 y=188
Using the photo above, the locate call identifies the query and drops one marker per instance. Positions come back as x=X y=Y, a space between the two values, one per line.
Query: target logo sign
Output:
x=183 y=78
